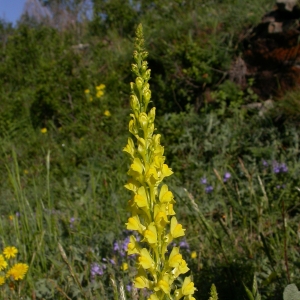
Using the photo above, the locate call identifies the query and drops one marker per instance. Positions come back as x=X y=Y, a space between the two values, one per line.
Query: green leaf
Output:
x=291 y=292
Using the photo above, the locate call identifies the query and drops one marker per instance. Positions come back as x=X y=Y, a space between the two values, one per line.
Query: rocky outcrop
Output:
x=272 y=51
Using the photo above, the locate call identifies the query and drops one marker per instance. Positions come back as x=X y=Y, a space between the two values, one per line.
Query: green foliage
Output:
x=65 y=185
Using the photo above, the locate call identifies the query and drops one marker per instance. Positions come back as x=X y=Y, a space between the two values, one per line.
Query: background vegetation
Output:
x=62 y=169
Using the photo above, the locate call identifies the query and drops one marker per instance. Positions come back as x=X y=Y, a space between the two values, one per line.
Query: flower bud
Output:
x=147 y=96
x=144 y=55
x=139 y=82
x=143 y=118
x=135 y=55
x=134 y=103
x=135 y=69
x=147 y=75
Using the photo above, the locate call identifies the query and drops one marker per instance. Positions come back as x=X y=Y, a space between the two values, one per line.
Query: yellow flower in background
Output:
x=194 y=254
x=10 y=252
x=91 y=98
x=100 y=90
x=124 y=266
x=107 y=113
x=87 y=91
x=18 y=271
x=11 y=217
x=26 y=172
x=44 y=130
x=3 y=263
x=2 y=280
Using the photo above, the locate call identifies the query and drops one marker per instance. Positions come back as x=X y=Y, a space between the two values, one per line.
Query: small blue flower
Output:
x=227 y=176
x=97 y=269
x=209 y=189
x=203 y=180
x=265 y=163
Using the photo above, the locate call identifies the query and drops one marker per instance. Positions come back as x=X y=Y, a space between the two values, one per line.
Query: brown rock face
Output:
x=272 y=52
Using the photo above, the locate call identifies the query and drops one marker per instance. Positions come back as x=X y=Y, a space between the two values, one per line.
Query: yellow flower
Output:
x=124 y=266
x=107 y=113
x=26 y=172
x=194 y=254
x=91 y=98
x=100 y=87
x=188 y=287
x=99 y=94
x=18 y=271
x=2 y=280
x=11 y=217
x=44 y=130
x=3 y=263
x=87 y=91
x=10 y=252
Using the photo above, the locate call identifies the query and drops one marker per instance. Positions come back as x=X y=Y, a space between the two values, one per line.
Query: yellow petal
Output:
x=164 y=286
x=176 y=229
x=145 y=259
x=141 y=282
x=188 y=287
x=175 y=258
x=151 y=234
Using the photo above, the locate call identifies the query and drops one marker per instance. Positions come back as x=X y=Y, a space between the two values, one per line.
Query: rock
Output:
x=287 y=5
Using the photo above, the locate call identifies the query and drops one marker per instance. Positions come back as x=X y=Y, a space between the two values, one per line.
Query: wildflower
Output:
x=99 y=94
x=227 y=176
x=87 y=91
x=184 y=245
x=151 y=204
x=283 y=168
x=2 y=280
x=124 y=266
x=18 y=271
x=265 y=163
x=194 y=254
x=11 y=217
x=10 y=252
x=3 y=263
x=128 y=287
x=26 y=172
x=44 y=130
x=100 y=90
x=209 y=189
x=203 y=180
x=107 y=113
x=96 y=269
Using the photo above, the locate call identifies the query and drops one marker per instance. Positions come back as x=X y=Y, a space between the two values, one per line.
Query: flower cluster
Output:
x=99 y=92
x=11 y=270
x=151 y=205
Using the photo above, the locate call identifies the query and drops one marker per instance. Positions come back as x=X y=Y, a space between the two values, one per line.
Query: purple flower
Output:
x=209 y=189
x=184 y=245
x=128 y=287
x=283 y=168
x=203 y=180
x=265 y=163
x=97 y=269
x=279 y=168
x=227 y=175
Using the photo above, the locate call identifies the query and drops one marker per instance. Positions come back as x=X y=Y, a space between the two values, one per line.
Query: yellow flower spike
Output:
x=176 y=229
x=151 y=205
x=3 y=263
x=151 y=234
x=10 y=252
x=145 y=260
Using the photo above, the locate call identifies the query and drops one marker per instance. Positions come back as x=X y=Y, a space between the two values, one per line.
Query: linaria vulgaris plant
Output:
x=151 y=205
